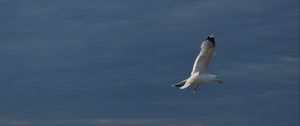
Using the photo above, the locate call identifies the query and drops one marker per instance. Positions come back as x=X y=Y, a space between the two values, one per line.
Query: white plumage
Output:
x=199 y=74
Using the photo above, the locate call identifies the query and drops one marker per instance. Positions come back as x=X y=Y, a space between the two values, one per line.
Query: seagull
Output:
x=199 y=74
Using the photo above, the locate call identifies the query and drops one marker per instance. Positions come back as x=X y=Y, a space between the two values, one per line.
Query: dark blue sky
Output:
x=111 y=62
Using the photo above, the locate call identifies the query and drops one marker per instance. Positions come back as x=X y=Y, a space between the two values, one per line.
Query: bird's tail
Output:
x=180 y=84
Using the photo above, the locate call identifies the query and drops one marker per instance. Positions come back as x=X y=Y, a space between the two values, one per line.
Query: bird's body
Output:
x=199 y=74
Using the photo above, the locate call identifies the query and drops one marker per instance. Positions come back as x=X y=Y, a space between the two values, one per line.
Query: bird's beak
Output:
x=220 y=81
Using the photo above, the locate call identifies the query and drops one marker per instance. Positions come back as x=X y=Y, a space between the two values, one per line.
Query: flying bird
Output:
x=199 y=75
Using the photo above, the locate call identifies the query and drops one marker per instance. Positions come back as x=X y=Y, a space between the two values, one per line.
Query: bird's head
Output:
x=216 y=79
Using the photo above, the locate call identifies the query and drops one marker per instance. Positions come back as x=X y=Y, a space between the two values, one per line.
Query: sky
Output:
x=112 y=62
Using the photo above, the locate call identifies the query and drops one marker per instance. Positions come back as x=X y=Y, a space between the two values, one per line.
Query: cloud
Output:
x=132 y=122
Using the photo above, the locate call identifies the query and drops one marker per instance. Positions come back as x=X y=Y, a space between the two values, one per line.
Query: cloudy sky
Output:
x=111 y=62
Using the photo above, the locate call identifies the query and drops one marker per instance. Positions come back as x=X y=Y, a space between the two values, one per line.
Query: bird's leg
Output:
x=195 y=88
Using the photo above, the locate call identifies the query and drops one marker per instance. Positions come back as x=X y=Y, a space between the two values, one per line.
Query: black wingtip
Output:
x=211 y=38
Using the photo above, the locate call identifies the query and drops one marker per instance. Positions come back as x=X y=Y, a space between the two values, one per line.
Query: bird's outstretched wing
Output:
x=203 y=59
